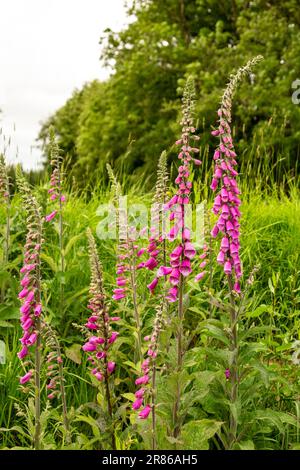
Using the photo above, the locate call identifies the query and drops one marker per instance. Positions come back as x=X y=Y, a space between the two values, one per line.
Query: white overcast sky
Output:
x=47 y=49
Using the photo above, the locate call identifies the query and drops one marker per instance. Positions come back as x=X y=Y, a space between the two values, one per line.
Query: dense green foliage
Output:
x=130 y=118
x=270 y=240
x=226 y=374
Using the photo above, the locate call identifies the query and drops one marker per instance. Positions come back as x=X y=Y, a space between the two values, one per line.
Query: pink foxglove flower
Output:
x=51 y=216
x=184 y=252
x=30 y=293
x=227 y=200
x=137 y=404
x=26 y=378
x=145 y=412
x=101 y=338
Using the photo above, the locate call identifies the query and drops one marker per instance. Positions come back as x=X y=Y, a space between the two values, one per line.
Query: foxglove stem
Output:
x=160 y=313
x=138 y=350
x=153 y=403
x=179 y=357
x=37 y=436
x=147 y=393
x=56 y=374
x=233 y=371
x=61 y=242
x=64 y=402
x=37 y=383
x=107 y=384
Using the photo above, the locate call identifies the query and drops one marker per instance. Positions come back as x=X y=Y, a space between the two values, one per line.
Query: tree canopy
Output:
x=129 y=119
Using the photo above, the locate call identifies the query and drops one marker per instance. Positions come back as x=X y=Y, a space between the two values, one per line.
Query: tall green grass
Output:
x=270 y=239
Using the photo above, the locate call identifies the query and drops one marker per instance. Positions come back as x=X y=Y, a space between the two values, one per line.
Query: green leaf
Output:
x=245 y=445
x=129 y=396
x=259 y=311
x=92 y=422
x=295 y=446
x=198 y=311
x=9 y=313
x=74 y=353
x=196 y=434
x=215 y=331
x=5 y=324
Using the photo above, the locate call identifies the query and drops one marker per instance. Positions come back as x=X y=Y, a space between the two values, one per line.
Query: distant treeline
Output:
x=129 y=119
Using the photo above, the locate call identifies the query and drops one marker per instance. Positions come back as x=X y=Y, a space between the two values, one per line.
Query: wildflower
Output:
x=227 y=374
x=51 y=216
x=99 y=342
x=111 y=366
x=182 y=254
x=30 y=293
x=227 y=201
x=26 y=378
x=137 y=404
x=145 y=412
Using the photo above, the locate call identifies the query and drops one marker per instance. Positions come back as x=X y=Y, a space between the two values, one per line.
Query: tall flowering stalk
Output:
x=180 y=258
x=227 y=201
x=30 y=296
x=157 y=243
x=58 y=198
x=128 y=254
x=100 y=335
x=55 y=373
x=226 y=206
x=5 y=195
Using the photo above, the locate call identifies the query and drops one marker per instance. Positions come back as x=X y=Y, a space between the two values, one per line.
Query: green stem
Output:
x=7 y=232
x=37 y=379
x=106 y=381
x=179 y=358
x=234 y=374
x=37 y=383
x=63 y=396
x=62 y=257
x=153 y=412
x=138 y=352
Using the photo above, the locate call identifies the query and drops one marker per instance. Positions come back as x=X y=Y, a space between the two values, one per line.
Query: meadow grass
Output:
x=270 y=239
